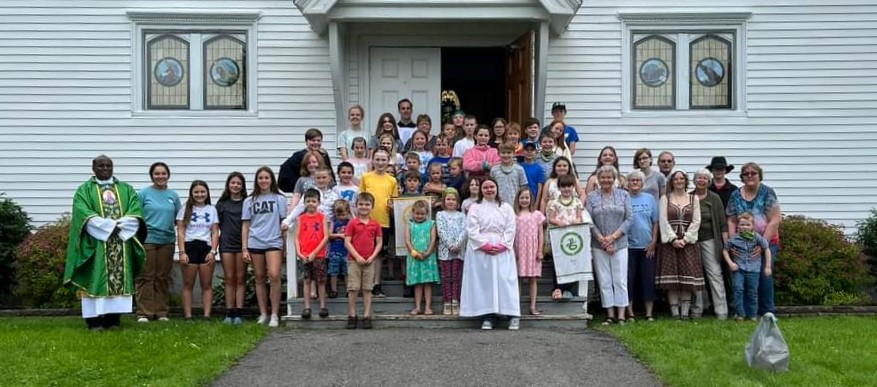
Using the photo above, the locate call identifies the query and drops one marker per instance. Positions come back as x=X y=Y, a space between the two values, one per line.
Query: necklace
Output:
x=566 y=203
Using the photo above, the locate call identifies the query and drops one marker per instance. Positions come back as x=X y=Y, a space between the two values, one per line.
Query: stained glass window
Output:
x=224 y=72
x=710 y=85
x=654 y=85
x=167 y=65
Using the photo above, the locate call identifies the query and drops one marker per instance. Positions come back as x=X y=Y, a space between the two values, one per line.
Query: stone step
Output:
x=395 y=288
x=390 y=321
x=402 y=306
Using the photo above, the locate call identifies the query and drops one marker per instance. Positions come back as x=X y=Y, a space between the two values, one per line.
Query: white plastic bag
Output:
x=767 y=350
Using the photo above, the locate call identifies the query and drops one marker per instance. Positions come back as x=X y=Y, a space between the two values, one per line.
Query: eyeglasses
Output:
x=749 y=174
x=665 y=161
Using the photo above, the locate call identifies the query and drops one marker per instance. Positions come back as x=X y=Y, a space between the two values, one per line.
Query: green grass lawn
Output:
x=825 y=351
x=44 y=351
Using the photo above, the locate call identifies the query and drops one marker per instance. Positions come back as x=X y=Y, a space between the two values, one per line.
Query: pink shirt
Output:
x=474 y=159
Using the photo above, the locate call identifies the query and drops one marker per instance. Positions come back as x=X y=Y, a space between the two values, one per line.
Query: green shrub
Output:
x=867 y=238
x=249 y=294
x=818 y=265
x=14 y=228
x=41 y=259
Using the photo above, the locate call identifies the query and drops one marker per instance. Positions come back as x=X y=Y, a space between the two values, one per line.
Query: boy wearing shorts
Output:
x=311 y=235
x=363 y=238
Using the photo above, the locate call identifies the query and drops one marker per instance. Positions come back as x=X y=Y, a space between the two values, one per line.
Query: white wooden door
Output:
x=398 y=72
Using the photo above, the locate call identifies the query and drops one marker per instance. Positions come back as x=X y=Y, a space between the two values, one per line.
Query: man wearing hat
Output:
x=534 y=172
x=570 y=135
x=720 y=167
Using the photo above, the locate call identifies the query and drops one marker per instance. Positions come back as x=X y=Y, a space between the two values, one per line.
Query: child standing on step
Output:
x=360 y=161
x=347 y=188
x=337 y=250
x=363 y=239
x=198 y=238
x=383 y=187
x=422 y=273
x=528 y=242
x=435 y=187
x=310 y=237
x=451 y=225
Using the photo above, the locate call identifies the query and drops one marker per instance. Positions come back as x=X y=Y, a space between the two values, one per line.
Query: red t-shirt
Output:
x=362 y=236
x=311 y=231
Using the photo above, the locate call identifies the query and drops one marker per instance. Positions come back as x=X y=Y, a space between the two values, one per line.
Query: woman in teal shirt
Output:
x=160 y=207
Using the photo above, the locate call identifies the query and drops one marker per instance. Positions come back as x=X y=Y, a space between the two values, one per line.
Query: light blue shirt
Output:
x=160 y=208
x=645 y=215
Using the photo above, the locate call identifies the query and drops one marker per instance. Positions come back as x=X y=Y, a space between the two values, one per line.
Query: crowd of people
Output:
x=485 y=196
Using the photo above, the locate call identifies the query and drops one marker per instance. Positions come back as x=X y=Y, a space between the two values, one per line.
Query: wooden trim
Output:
x=194 y=17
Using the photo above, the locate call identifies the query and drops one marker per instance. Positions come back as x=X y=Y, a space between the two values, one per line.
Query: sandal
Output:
x=333 y=294
x=557 y=295
x=608 y=321
x=650 y=318
x=535 y=312
x=621 y=321
x=324 y=312
x=428 y=311
x=306 y=313
x=415 y=312
x=631 y=319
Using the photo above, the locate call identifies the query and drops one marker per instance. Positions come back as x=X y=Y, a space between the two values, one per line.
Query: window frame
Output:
x=687 y=27
x=195 y=24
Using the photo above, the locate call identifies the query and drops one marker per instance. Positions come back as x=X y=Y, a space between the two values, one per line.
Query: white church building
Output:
x=217 y=86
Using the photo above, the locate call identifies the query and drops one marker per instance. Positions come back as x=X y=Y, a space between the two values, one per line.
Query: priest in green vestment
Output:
x=105 y=253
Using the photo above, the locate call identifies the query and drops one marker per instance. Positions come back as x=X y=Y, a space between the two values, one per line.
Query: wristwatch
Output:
x=213 y=252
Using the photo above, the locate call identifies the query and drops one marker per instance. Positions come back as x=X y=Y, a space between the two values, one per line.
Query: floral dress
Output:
x=421 y=271
x=528 y=248
x=451 y=231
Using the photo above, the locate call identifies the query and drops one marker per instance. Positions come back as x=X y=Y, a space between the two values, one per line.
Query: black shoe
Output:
x=351 y=322
x=324 y=312
x=366 y=323
x=378 y=292
x=306 y=313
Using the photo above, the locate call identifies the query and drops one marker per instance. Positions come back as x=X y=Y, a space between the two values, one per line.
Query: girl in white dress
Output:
x=490 y=277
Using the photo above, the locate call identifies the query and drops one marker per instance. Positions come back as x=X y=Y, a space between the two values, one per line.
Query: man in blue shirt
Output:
x=570 y=135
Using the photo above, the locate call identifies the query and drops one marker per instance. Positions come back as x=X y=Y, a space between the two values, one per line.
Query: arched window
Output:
x=167 y=62
x=654 y=85
x=225 y=61
x=710 y=85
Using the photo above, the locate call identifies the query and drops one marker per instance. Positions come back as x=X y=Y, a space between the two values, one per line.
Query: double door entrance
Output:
x=490 y=82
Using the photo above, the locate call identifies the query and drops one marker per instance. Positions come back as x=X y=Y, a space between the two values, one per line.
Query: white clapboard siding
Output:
x=65 y=97
x=812 y=105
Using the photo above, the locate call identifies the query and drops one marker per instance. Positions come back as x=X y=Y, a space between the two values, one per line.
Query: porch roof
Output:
x=319 y=13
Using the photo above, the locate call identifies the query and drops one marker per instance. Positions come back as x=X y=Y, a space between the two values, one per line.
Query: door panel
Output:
x=519 y=86
x=396 y=73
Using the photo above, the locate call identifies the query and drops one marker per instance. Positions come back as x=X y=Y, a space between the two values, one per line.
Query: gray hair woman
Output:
x=612 y=214
x=642 y=238
x=711 y=237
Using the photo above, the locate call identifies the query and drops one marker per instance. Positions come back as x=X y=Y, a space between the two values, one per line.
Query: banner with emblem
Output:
x=571 y=249
x=401 y=215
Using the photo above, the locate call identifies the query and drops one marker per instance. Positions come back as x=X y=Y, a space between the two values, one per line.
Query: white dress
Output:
x=490 y=282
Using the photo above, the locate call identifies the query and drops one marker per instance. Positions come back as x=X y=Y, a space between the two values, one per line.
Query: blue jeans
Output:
x=746 y=289
x=765 y=284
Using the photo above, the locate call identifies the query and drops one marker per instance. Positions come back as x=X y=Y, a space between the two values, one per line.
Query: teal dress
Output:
x=421 y=271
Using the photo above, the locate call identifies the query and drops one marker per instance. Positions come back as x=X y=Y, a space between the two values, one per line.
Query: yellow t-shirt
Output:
x=383 y=187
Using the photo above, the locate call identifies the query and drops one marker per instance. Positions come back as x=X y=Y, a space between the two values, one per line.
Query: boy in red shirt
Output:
x=363 y=239
x=311 y=235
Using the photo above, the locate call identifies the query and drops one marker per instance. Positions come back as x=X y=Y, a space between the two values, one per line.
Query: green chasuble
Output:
x=94 y=267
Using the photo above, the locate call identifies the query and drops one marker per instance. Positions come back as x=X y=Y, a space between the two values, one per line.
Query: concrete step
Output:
x=402 y=306
x=390 y=321
x=395 y=288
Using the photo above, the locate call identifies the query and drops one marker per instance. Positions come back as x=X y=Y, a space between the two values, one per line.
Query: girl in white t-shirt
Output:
x=198 y=238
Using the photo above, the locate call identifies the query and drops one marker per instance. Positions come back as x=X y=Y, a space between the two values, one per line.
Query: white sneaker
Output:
x=163 y=319
x=263 y=319
x=486 y=325
x=143 y=320
x=515 y=324
x=275 y=322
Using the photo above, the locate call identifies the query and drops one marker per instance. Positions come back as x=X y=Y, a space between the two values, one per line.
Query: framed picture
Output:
x=401 y=215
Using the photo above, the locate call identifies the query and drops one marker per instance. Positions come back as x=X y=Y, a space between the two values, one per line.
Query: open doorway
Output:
x=477 y=75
